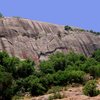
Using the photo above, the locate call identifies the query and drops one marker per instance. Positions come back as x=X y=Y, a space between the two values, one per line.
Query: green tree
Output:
x=73 y=76
x=86 y=66
x=47 y=81
x=94 y=70
x=6 y=90
x=1 y=15
x=10 y=64
x=58 y=60
x=47 y=67
x=75 y=59
x=96 y=55
x=67 y=28
x=25 y=69
x=37 y=88
x=3 y=55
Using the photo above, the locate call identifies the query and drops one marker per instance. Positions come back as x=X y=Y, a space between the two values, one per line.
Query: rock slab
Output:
x=25 y=38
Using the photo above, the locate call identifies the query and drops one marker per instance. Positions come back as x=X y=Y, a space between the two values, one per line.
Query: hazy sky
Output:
x=80 y=13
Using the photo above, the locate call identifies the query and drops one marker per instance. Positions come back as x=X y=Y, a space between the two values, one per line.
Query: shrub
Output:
x=47 y=80
x=37 y=88
x=59 y=70
x=87 y=64
x=90 y=88
x=1 y=15
x=6 y=86
x=56 y=95
x=25 y=69
x=73 y=76
x=95 y=70
x=10 y=64
x=19 y=87
x=60 y=78
x=55 y=89
x=68 y=76
x=73 y=58
x=2 y=56
x=2 y=68
x=96 y=55
x=58 y=60
x=67 y=28
x=97 y=33
x=47 y=67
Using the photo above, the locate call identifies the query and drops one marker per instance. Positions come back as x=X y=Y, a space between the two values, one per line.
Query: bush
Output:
x=6 y=86
x=47 y=81
x=10 y=64
x=90 y=88
x=37 y=88
x=88 y=64
x=56 y=95
x=67 y=28
x=47 y=67
x=96 y=33
x=95 y=71
x=58 y=61
x=25 y=69
x=60 y=69
x=55 y=89
x=96 y=55
x=75 y=59
x=2 y=68
x=73 y=76
x=1 y=15
x=2 y=56
x=67 y=77
x=19 y=87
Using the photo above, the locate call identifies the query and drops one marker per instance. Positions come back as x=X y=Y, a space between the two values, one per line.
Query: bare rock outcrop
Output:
x=36 y=40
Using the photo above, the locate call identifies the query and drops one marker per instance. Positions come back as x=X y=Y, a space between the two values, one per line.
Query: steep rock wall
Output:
x=25 y=38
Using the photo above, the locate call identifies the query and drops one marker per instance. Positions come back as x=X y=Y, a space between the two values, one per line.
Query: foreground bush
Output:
x=6 y=90
x=37 y=88
x=95 y=71
x=47 y=67
x=62 y=78
x=90 y=88
x=58 y=61
x=25 y=68
x=75 y=76
x=96 y=55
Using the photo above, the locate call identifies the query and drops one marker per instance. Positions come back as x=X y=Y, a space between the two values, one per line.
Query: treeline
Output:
x=68 y=28
x=18 y=77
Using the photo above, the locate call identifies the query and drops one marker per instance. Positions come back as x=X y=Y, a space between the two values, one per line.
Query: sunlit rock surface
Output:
x=25 y=38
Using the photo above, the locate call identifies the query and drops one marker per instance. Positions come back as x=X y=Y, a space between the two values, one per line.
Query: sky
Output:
x=80 y=13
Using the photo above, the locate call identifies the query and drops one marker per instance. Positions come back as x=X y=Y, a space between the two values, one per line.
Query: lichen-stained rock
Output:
x=36 y=40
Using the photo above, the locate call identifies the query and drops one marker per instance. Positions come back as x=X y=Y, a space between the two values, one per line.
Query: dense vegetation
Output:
x=18 y=77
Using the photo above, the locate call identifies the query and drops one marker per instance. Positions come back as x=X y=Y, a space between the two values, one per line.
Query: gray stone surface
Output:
x=32 y=39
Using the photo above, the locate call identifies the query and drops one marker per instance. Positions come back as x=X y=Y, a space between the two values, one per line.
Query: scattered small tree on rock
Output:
x=1 y=15
x=67 y=28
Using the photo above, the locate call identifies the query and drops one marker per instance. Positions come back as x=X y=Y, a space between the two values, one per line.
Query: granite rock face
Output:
x=25 y=38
